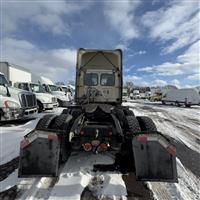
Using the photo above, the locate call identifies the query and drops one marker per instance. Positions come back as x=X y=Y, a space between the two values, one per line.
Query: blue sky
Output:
x=160 y=39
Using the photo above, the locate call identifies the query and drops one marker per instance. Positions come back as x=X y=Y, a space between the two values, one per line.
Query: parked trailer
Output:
x=15 y=73
x=182 y=97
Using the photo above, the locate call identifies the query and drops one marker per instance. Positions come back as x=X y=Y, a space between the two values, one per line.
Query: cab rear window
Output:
x=91 y=79
x=107 y=80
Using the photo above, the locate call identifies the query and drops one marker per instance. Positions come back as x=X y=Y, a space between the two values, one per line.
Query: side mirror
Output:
x=10 y=83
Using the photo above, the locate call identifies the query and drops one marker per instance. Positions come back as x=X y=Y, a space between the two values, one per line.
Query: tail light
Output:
x=102 y=147
x=142 y=138
x=24 y=143
x=87 y=147
x=171 y=150
x=52 y=136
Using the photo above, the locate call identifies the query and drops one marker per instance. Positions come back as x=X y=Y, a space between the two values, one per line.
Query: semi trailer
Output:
x=182 y=97
x=98 y=122
x=15 y=73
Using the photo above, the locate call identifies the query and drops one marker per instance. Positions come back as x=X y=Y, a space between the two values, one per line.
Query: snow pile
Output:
x=77 y=174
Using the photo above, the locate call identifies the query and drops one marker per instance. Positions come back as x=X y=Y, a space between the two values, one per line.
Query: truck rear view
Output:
x=97 y=123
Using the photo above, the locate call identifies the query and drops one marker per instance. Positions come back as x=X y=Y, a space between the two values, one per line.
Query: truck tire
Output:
x=40 y=107
x=133 y=125
x=45 y=122
x=65 y=111
x=65 y=146
x=59 y=103
x=129 y=113
x=75 y=112
x=59 y=123
x=146 y=124
x=121 y=117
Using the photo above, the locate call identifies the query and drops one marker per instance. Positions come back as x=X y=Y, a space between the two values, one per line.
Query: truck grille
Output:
x=54 y=100
x=28 y=100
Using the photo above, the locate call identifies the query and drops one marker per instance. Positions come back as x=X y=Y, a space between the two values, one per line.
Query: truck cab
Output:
x=98 y=76
x=15 y=103
x=45 y=101
x=62 y=99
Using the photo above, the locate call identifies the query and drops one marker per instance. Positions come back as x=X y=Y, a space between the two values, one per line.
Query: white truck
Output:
x=15 y=103
x=125 y=95
x=53 y=89
x=182 y=97
x=136 y=94
x=69 y=92
x=45 y=101
x=15 y=73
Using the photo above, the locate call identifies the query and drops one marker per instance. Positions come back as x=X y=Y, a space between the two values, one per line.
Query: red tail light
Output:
x=142 y=138
x=24 y=143
x=87 y=147
x=102 y=147
x=52 y=136
x=171 y=150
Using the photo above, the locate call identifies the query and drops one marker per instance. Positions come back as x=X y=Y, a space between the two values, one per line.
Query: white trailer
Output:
x=15 y=73
x=178 y=97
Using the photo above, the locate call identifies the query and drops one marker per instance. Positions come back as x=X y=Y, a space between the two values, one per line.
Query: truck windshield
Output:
x=91 y=79
x=3 y=80
x=37 y=88
x=107 y=79
x=54 y=88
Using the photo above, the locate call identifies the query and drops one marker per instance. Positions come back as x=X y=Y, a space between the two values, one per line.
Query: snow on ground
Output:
x=181 y=124
x=10 y=137
x=186 y=188
x=77 y=174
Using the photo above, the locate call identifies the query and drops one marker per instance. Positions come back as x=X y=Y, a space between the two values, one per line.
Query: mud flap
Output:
x=39 y=155
x=155 y=158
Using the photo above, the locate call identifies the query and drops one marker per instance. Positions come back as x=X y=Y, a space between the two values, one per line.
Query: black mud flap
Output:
x=39 y=155
x=155 y=158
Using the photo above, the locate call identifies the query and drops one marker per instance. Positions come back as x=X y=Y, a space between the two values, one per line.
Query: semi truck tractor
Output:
x=98 y=122
x=45 y=101
x=55 y=90
x=15 y=103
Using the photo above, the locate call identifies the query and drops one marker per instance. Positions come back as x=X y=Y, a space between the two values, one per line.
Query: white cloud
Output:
x=141 y=52
x=194 y=77
x=123 y=47
x=176 y=83
x=56 y=64
x=131 y=78
x=46 y=15
x=154 y=83
x=120 y=16
x=177 y=24
x=158 y=82
x=187 y=63
x=51 y=22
